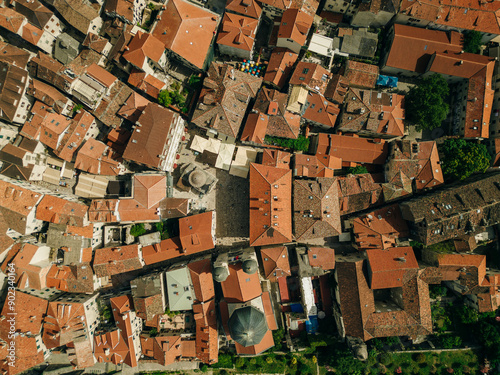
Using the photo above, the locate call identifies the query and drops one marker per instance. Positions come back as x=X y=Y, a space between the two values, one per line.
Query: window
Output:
x=305 y=71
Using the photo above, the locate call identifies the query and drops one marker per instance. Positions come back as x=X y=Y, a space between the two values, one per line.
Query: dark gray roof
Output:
x=220 y=274
x=250 y=266
x=247 y=326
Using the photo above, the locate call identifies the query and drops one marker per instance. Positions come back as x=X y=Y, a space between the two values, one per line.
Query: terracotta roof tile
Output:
x=97 y=158
x=196 y=232
x=380 y=229
x=248 y=8
x=133 y=107
x=353 y=149
x=270 y=205
x=373 y=112
x=316 y=165
x=114 y=260
x=316 y=208
x=142 y=47
x=238 y=32
x=29 y=311
x=386 y=267
x=61 y=211
x=275 y=262
x=146 y=83
x=321 y=257
x=280 y=66
x=187 y=30
x=480 y=16
x=224 y=98
x=240 y=286
x=412 y=47
x=146 y=145
x=276 y=158
x=201 y=276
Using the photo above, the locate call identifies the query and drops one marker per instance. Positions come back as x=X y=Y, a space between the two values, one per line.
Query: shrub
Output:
x=164 y=98
x=385 y=359
x=269 y=360
x=204 y=368
x=360 y=169
x=240 y=362
x=420 y=358
x=137 y=230
x=253 y=361
x=77 y=107
x=472 y=41
x=299 y=144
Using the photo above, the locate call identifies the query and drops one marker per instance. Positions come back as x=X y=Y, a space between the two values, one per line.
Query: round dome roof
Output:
x=250 y=266
x=197 y=178
x=247 y=326
x=220 y=274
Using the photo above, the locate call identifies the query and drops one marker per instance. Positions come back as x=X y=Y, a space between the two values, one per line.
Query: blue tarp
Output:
x=312 y=324
x=297 y=307
x=387 y=81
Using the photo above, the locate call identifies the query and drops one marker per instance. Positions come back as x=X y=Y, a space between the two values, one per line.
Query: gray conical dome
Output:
x=220 y=274
x=250 y=266
x=197 y=178
x=247 y=326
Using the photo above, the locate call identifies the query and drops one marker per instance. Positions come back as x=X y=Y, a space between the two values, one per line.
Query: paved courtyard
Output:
x=232 y=208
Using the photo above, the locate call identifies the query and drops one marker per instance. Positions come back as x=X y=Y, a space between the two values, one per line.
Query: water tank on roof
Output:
x=197 y=178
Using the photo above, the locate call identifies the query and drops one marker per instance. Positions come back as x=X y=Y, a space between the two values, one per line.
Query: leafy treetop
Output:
x=461 y=158
x=425 y=103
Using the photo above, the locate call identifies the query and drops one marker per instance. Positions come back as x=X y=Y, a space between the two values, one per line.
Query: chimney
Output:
x=461 y=62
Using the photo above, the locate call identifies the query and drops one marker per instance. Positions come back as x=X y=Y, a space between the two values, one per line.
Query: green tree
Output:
x=176 y=97
x=467 y=314
x=472 y=41
x=240 y=362
x=278 y=338
x=425 y=103
x=360 y=169
x=137 y=230
x=164 y=98
x=204 y=368
x=461 y=158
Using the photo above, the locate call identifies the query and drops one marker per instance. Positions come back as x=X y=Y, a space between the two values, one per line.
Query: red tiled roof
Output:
x=478 y=70
x=166 y=249
x=360 y=74
x=380 y=229
x=187 y=30
x=146 y=83
x=295 y=25
x=195 y=232
x=412 y=47
x=148 y=143
x=141 y=47
x=29 y=311
x=240 y=286
x=461 y=14
x=322 y=257
x=101 y=75
x=238 y=31
x=110 y=261
x=11 y=20
x=29 y=273
x=248 y=8
x=27 y=354
x=280 y=66
x=270 y=196
x=310 y=75
x=353 y=149
x=96 y=157
x=61 y=211
x=201 y=276
x=75 y=135
x=276 y=158
x=316 y=165
x=386 y=268
x=133 y=107
x=275 y=262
